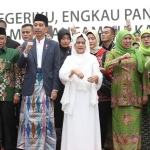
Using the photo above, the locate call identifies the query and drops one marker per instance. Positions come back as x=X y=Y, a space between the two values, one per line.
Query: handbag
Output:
x=107 y=81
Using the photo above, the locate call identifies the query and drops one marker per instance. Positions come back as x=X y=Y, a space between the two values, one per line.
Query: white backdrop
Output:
x=107 y=12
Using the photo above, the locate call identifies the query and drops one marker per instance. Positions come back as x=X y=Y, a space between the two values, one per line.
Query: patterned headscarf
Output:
x=96 y=48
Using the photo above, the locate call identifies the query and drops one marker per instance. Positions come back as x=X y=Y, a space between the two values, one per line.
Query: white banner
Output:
x=83 y=14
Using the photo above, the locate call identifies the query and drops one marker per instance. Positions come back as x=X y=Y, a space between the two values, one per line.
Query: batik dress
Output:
x=36 y=128
x=126 y=91
x=145 y=129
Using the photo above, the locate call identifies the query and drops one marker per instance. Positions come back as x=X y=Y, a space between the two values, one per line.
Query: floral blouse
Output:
x=129 y=85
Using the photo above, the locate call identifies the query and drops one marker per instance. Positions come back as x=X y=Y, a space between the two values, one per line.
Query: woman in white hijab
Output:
x=81 y=76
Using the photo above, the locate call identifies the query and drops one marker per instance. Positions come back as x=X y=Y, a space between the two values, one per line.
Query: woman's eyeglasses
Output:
x=146 y=37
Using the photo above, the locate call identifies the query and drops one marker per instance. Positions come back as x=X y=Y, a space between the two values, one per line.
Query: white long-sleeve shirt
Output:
x=39 y=51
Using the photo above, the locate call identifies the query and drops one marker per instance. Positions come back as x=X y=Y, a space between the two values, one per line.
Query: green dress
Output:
x=148 y=64
x=145 y=122
x=126 y=91
x=145 y=129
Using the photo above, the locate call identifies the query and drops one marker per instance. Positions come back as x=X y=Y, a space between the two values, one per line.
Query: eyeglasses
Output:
x=146 y=37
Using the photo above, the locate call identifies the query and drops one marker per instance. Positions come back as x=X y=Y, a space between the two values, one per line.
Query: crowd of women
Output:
x=93 y=118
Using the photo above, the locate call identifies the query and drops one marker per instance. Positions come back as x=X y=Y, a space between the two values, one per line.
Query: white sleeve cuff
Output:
x=25 y=55
x=55 y=90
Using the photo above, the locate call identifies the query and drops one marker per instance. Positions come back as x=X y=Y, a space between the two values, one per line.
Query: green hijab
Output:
x=143 y=49
x=138 y=31
x=121 y=50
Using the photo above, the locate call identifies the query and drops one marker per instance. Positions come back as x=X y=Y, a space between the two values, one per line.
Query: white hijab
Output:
x=81 y=59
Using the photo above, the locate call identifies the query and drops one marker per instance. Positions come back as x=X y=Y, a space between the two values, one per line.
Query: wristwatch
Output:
x=18 y=94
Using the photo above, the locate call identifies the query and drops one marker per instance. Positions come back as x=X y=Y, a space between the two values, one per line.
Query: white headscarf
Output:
x=96 y=48
x=81 y=59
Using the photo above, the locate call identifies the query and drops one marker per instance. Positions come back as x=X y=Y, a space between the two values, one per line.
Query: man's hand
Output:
x=28 y=47
x=53 y=95
x=16 y=99
x=48 y=36
x=85 y=31
x=128 y=27
x=73 y=30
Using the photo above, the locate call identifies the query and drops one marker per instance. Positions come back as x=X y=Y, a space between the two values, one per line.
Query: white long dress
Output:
x=81 y=126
